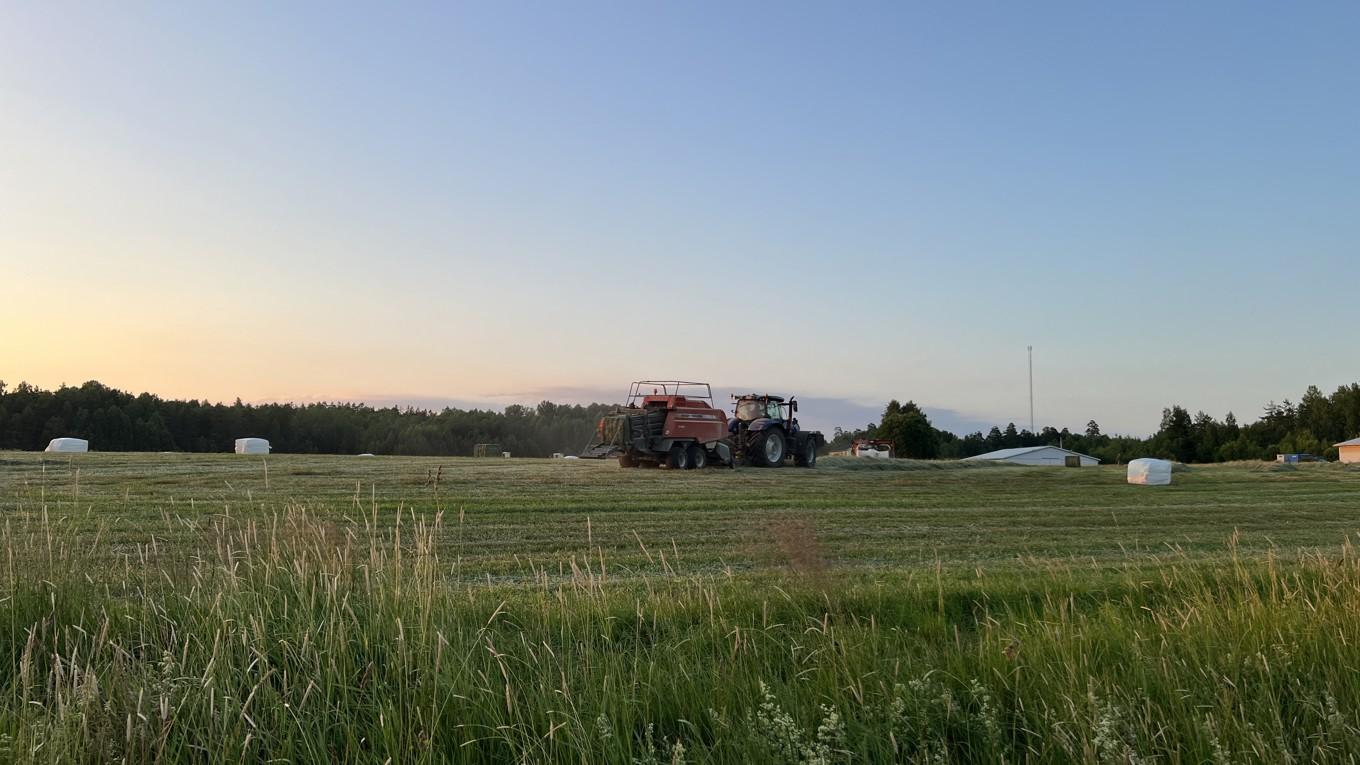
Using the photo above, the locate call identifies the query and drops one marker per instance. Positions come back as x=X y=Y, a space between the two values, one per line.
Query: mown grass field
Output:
x=223 y=608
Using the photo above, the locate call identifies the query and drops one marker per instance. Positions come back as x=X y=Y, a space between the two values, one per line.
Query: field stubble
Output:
x=229 y=609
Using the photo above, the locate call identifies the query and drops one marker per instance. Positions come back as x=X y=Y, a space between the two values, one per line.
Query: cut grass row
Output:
x=551 y=510
x=912 y=616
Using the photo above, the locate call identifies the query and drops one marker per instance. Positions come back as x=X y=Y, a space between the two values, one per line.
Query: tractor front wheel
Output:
x=678 y=458
x=770 y=448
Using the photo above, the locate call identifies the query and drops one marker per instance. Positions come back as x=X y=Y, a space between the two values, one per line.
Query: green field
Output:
x=221 y=608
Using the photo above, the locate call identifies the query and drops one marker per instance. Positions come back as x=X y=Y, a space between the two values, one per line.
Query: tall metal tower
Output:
x=1030 y=348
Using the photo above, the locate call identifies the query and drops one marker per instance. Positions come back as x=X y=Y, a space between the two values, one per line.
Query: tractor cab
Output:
x=757 y=412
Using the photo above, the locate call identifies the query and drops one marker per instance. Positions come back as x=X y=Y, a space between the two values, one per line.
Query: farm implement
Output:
x=675 y=423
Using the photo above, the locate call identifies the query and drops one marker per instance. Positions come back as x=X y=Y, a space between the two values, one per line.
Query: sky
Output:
x=492 y=203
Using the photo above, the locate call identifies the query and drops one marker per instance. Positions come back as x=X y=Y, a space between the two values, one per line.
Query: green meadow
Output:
x=230 y=609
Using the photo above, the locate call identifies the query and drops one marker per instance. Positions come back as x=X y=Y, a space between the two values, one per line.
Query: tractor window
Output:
x=749 y=410
x=772 y=410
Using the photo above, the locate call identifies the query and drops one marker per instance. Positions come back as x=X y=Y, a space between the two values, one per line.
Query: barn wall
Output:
x=1349 y=453
x=1049 y=456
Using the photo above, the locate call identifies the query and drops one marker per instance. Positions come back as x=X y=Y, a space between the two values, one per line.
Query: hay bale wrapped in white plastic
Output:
x=1150 y=472
x=67 y=445
x=252 y=446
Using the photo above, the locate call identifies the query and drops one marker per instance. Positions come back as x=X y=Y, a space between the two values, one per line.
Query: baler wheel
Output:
x=678 y=458
x=698 y=457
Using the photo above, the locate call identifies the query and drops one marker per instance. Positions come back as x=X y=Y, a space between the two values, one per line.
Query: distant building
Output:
x=1349 y=450
x=1037 y=455
x=68 y=445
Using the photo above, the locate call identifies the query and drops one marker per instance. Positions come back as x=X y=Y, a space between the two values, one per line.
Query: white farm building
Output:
x=1037 y=455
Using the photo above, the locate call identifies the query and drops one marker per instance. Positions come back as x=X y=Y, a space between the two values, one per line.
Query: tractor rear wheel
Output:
x=678 y=458
x=808 y=457
x=770 y=448
x=698 y=457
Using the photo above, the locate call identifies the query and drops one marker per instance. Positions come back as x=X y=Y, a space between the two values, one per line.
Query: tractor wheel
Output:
x=678 y=458
x=753 y=451
x=627 y=461
x=770 y=448
x=698 y=457
x=808 y=457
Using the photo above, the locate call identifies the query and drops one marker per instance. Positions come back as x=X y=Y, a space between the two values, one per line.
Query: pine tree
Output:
x=1011 y=437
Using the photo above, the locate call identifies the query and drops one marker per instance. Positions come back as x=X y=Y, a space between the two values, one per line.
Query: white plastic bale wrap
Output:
x=1149 y=472
x=68 y=445
x=252 y=446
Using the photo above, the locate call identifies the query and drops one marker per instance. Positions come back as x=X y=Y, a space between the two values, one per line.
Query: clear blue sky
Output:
x=502 y=201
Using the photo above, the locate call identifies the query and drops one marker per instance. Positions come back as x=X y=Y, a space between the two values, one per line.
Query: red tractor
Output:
x=665 y=422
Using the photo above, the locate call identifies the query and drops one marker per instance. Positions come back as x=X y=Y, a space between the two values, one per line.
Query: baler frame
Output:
x=669 y=388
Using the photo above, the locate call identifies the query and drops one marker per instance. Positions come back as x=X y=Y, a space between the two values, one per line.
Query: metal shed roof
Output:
x=1005 y=454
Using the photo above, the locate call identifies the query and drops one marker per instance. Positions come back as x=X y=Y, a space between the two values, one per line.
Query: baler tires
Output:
x=698 y=457
x=678 y=458
x=627 y=461
x=808 y=457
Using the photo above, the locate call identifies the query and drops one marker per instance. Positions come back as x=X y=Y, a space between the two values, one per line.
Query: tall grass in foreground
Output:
x=306 y=641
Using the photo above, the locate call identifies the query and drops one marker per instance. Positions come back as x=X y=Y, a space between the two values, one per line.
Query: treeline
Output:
x=113 y=420
x=1311 y=426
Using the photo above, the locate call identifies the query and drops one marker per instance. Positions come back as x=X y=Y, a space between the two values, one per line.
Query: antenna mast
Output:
x=1030 y=348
